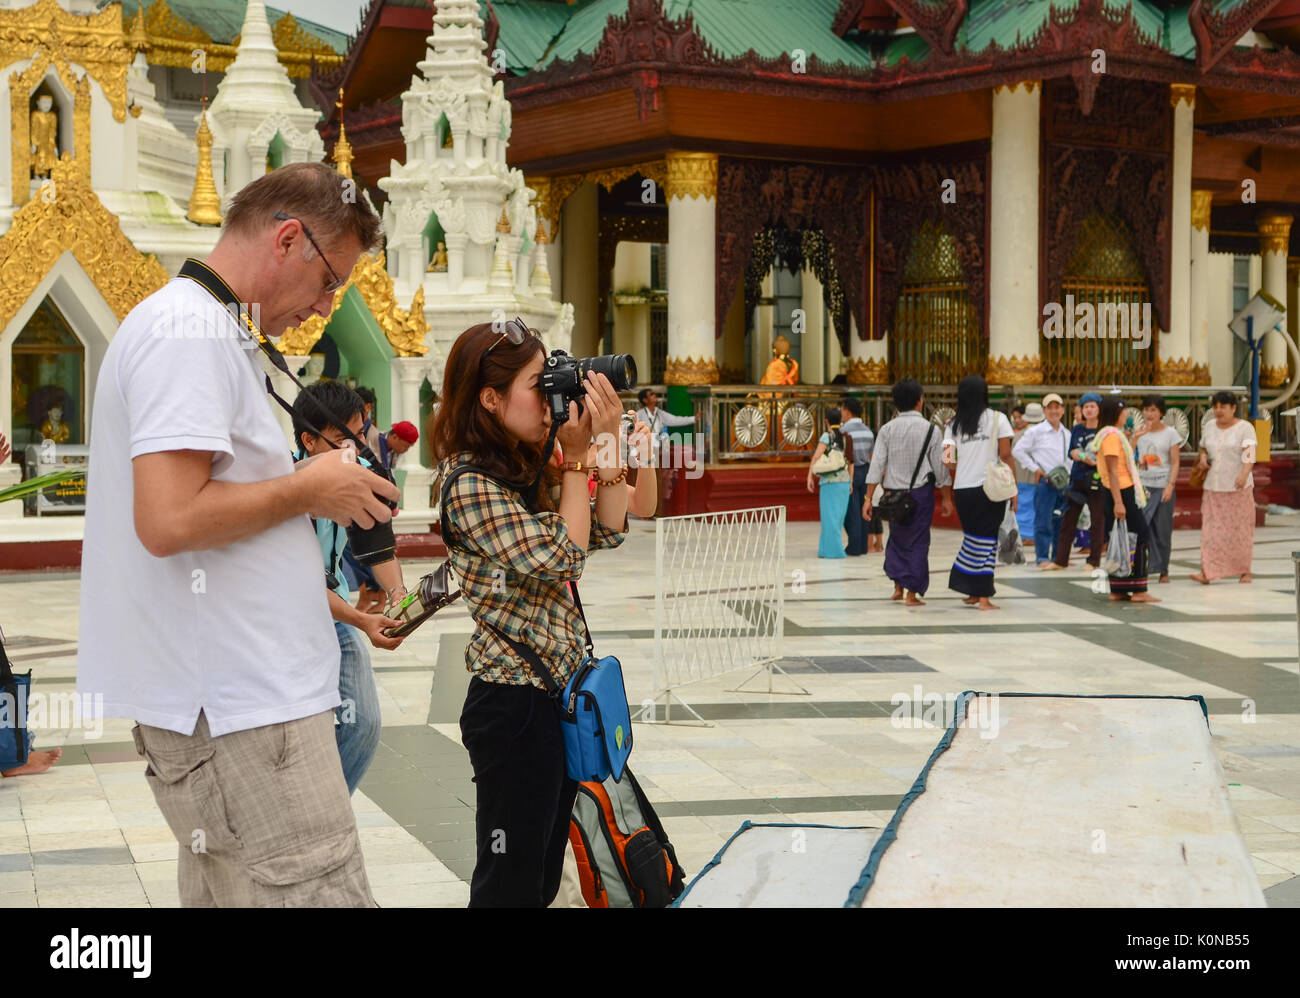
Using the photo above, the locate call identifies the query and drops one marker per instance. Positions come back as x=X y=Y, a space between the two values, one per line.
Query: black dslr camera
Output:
x=562 y=379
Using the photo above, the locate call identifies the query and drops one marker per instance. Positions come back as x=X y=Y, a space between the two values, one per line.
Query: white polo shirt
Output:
x=242 y=632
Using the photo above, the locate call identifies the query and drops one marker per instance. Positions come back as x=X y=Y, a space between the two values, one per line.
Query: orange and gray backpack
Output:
x=624 y=857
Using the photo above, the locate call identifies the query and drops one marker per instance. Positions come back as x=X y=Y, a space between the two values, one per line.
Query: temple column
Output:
x=812 y=367
x=580 y=233
x=632 y=322
x=692 y=189
x=1199 y=305
x=1293 y=301
x=411 y=372
x=1174 y=359
x=1274 y=239
x=1014 y=316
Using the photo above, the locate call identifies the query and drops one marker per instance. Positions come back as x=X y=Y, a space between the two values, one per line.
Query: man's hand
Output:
x=345 y=491
x=1038 y=477
x=374 y=624
x=866 y=510
x=947 y=507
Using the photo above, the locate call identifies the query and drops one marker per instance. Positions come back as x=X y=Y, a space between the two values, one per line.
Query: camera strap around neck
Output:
x=212 y=282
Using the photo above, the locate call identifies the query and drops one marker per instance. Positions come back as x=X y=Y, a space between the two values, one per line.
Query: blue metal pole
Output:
x=1255 y=349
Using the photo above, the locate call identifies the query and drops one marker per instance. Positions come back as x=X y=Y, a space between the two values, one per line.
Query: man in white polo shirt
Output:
x=204 y=613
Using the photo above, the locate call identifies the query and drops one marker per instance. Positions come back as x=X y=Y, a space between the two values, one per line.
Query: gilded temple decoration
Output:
x=1015 y=371
x=1176 y=371
x=205 y=202
x=1201 y=204
x=868 y=372
x=405 y=329
x=1274 y=233
x=21 y=85
x=1272 y=377
x=75 y=221
x=689 y=371
x=1182 y=92
x=692 y=174
x=172 y=41
x=94 y=42
x=552 y=192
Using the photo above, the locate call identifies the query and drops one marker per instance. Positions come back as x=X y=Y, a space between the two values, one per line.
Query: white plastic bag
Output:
x=1009 y=550
x=1119 y=552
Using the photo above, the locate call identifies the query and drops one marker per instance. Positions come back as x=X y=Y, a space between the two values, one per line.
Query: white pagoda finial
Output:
x=256 y=75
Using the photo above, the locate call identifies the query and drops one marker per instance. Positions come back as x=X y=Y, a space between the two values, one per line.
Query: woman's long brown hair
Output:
x=463 y=426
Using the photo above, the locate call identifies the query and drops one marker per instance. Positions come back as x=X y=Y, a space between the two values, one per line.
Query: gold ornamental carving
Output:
x=689 y=371
x=1274 y=233
x=1182 y=92
x=342 y=147
x=172 y=41
x=1202 y=374
x=21 y=86
x=73 y=219
x=1272 y=377
x=731 y=375
x=1175 y=371
x=1201 y=203
x=557 y=189
x=1015 y=370
x=46 y=32
x=405 y=329
x=868 y=372
x=692 y=174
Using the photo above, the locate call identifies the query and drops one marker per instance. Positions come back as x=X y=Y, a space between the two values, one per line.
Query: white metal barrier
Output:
x=719 y=597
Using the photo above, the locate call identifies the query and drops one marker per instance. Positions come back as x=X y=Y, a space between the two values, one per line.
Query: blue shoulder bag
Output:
x=594 y=715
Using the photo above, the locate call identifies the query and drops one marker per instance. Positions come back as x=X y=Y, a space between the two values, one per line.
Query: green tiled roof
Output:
x=527 y=29
x=731 y=27
x=223 y=19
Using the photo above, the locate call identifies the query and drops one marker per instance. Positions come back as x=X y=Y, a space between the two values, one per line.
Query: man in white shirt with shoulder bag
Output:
x=1043 y=451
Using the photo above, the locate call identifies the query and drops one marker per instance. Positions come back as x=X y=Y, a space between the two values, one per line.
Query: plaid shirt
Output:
x=513 y=566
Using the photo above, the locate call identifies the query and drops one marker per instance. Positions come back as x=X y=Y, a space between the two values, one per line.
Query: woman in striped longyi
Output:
x=966 y=453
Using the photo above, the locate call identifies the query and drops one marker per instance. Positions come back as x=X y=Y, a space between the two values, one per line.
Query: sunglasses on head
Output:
x=515 y=330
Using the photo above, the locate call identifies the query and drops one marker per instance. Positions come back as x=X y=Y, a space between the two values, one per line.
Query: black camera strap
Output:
x=211 y=282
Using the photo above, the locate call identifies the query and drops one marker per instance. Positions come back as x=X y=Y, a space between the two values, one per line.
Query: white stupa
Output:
x=256 y=112
x=455 y=188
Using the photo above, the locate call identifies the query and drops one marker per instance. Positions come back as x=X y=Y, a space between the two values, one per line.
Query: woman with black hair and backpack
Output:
x=517 y=533
x=977 y=452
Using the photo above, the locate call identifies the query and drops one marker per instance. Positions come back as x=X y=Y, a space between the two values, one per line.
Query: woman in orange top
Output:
x=1123 y=498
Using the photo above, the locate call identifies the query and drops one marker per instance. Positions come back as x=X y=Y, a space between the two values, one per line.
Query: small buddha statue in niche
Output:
x=54 y=428
x=44 y=136
x=438 y=265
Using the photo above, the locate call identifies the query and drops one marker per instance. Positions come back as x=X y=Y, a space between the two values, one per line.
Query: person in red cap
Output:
x=399 y=440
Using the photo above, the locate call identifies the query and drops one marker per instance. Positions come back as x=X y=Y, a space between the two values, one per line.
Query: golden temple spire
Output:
x=503 y=223
x=205 y=203
x=139 y=36
x=342 y=148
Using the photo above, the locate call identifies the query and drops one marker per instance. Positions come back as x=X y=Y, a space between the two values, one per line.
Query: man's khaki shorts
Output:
x=262 y=817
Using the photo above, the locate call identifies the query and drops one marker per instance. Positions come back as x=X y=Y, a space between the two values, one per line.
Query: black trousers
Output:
x=1136 y=582
x=1070 y=517
x=524 y=794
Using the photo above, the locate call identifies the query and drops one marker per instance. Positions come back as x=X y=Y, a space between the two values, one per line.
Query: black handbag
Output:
x=897 y=505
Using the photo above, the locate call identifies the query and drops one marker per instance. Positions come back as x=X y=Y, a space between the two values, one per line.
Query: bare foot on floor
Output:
x=1117 y=597
x=1144 y=598
x=971 y=600
x=984 y=604
x=914 y=600
x=37 y=762
x=1164 y=578
x=898 y=593
x=1199 y=577
x=1245 y=577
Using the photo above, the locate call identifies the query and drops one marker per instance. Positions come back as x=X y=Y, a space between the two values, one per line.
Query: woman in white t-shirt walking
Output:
x=966 y=453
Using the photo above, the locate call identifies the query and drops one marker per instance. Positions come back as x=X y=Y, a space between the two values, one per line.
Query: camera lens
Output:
x=620 y=368
x=373 y=546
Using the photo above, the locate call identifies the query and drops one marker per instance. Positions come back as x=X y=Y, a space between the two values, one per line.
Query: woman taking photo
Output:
x=967 y=450
x=1124 y=498
x=514 y=553
x=1227 y=456
x=836 y=485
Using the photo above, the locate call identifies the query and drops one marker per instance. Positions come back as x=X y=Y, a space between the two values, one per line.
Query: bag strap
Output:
x=925 y=447
x=993 y=435
x=535 y=663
